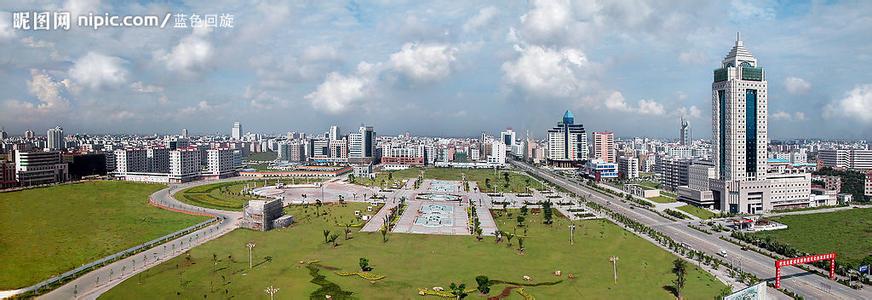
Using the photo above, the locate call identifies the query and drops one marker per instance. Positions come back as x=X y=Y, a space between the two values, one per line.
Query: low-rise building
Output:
x=34 y=168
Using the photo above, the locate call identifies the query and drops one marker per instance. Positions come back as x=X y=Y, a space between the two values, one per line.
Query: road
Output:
x=809 y=285
x=97 y=282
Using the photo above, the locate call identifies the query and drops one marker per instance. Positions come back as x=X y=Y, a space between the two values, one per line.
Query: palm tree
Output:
x=679 y=267
x=326 y=235
x=509 y=237
x=333 y=238
x=521 y=244
x=347 y=229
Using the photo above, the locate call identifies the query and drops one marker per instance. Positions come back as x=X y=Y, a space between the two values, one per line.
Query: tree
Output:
x=679 y=268
x=509 y=237
x=326 y=233
x=505 y=205
x=333 y=238
x=524 y=210
x=384 y=233
x=364 y=264
x=347 y=229
x=458 y=290
x=318 y=206
x=520 y=220
x=483 y=284
x=520 y=244
x=546 y=211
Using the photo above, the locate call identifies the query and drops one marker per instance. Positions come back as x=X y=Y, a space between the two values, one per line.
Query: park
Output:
x=523 y=253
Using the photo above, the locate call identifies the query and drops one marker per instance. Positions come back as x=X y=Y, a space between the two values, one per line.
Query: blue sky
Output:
x=449 y=68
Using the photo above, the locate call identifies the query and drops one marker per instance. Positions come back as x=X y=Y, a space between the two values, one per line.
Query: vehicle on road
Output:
x=723 y=253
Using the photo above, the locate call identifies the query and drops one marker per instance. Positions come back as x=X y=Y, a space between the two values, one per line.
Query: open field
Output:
x=488 y=180
x=47 y=231
x=389 y=179
x=696 y=211
x=228 y=195
x=220 y=268
x=847 y=232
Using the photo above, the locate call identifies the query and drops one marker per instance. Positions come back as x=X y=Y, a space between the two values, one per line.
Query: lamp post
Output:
x=614 y=260
x=271 y=291
x=250 y=246
x=572 y=234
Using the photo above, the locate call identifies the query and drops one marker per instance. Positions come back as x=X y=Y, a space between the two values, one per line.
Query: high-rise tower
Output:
x=739 y=133
x=236 y=132
x=684 y=134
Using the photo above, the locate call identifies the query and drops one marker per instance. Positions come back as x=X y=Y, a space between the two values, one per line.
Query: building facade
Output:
x=567 y=143
x=34 y=168
x=604 y=146
x=628 y=167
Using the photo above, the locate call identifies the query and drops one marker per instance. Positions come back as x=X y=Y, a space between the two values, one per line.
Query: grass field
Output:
x=48 y=231
x=696 y=211
x=847 y=232
x=410 y=261
x=662 y=199
x=228 y=195
x=488 y=180
x=389 y=179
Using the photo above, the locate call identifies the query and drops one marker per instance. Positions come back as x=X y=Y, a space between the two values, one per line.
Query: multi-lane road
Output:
x=809 y=285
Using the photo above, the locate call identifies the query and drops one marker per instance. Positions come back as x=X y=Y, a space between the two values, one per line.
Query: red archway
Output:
x=804 y=260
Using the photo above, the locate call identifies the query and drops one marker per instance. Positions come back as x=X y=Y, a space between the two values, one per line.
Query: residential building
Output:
x=157 y=159
x=674 y=172
x=334 y=133
x=567 y=143
x=7 y=175
x=56 y=139
x=628 y=167
x=236 y=132
x=222 y=163
x=497 y=156
x=604 y=146
x=362 y=145
x=184 y=164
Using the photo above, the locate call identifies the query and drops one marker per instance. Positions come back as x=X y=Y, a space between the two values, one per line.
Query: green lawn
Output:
x=847 y=232
x=228 y=195
x=488 y=180
x=389 y=179
x=412 y=261
x=649 y=184
x=696 y=211
x=51 y=230
x=662 y=199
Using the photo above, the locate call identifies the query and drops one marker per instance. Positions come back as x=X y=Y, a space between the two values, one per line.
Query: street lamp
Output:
x=250 y=246
x=572 y=234
x=614 y=260
x=271 y=291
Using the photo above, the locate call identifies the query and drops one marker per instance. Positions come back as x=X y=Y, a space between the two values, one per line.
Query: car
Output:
x=723 y=253
x=744 y=248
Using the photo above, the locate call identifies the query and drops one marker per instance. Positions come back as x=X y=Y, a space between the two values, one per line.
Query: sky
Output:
x=435 y=68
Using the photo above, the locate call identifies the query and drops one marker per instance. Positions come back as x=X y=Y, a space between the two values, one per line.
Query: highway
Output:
x=806 y=284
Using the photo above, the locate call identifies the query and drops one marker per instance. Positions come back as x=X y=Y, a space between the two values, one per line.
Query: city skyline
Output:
x=449 y=72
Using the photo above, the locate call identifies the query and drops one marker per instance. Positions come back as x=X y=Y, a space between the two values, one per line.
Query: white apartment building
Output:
x=130 y=161
x=498 y=154
x=222 y=163
x=56 y=138
x=184 y=164
x=628 y=167
x=846 y=158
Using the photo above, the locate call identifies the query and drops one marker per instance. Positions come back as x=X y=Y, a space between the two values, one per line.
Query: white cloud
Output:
x=201 y=107
x=857 y=104
x=482 y=18
x=48 y=92
x=615 y=101
x=319 y=53
x=339 y=92
x=141 y=87
x=547 y=20
x=6 y=31
x=744 y=9
x=692 y=57
x=796 y=85
x=651 y=107
x=424 y=62
x=787 y=116
x=691 y=112
x=189 y=55
x=81 y=7
x=96 y=70
x=549 y=72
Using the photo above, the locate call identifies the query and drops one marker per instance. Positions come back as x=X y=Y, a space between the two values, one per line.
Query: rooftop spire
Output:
x=738 y=38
